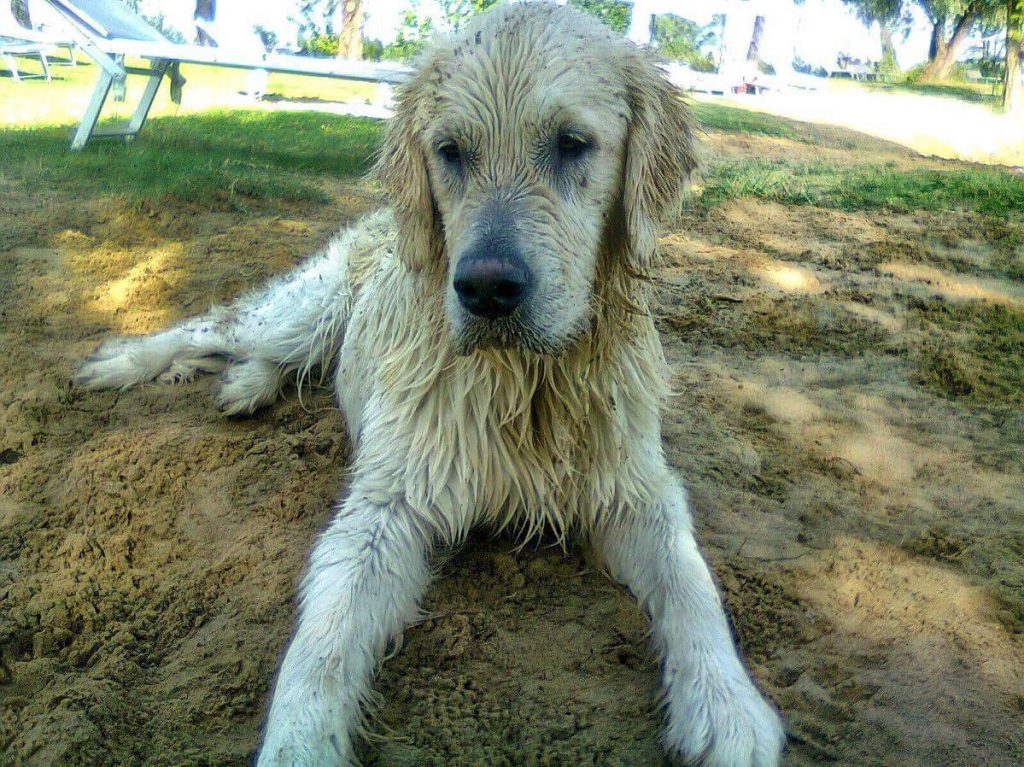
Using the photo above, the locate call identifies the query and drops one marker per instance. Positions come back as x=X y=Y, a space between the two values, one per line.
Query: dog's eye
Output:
x=449 y=152
x=572 y=146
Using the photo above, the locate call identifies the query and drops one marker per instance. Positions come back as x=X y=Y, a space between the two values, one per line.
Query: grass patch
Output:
x=865 y=187
x=227 y=156
x=974 y=351
x=250 y=154
x=974 y=93
x=732 y=120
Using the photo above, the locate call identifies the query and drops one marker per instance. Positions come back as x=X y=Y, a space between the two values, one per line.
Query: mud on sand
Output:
x=844 y=416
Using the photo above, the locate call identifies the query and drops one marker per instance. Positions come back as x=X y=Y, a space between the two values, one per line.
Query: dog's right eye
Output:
x=449 y=151
x=572 y=146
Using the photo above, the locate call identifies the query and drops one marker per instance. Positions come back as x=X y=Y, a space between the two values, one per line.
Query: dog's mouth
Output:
x=506 y=333
x=512 y=333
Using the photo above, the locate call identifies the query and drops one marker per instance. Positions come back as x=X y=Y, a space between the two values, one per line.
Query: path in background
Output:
x=932 y=125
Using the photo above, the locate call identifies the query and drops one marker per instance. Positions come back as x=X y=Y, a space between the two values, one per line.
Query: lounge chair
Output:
x=13 y=47
x=23 y=37
x=18 y=39
x=109 y=32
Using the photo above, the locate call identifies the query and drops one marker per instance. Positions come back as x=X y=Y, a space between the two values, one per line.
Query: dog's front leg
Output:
x=716 y=717
x=366 y=576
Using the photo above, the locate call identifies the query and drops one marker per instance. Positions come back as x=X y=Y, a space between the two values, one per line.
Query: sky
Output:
x=815 y=31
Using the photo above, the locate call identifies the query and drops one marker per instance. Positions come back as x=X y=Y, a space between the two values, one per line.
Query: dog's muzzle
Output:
x=492 y=280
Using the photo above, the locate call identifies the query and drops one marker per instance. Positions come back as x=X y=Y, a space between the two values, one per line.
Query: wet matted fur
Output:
x=536 y=137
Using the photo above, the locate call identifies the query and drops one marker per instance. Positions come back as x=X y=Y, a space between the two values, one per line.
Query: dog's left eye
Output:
x=572 y=146
x=449 y=152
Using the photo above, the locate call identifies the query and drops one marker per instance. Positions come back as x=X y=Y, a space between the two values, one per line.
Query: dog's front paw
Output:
x=305 y=741
x=248 y=385
x=117 y=363
x=723 y=724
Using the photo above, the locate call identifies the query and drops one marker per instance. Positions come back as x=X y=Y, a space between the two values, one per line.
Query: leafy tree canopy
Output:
x=680 y=39
x=614 y=13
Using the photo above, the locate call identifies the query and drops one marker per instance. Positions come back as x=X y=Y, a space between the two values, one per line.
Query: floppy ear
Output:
x=660 y=156
x=402 y=170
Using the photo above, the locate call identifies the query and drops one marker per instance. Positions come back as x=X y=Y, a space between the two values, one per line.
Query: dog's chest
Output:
x=510 y=447
x=470 y=441
x=501 y=437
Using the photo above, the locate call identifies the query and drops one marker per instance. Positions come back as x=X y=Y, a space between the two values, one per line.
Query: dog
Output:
x=496 y=363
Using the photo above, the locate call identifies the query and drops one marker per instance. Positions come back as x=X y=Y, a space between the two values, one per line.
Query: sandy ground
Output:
x=854 y=452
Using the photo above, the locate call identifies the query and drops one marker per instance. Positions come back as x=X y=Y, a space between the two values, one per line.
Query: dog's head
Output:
x=526 y=155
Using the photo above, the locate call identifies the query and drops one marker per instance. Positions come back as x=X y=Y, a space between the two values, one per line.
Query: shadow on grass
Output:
x=220 y=155
x=974 y=94
x=729 y=119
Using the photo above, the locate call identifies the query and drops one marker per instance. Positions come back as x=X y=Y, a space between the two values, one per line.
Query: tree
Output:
x=754 y=51
x=1012 y=97
x=614 y=13
x=891 y=18
x=350 y=40
x=206 y=11
x=317 y=27
x=679 y=39
x=952 y=21
x=458 y=12
x=21 y=13
x=418 y=26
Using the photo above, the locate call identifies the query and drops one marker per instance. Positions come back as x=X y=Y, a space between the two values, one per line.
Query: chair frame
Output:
x=12 y=47
x=165 y=57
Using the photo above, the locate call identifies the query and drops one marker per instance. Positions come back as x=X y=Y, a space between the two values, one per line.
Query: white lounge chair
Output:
x=17 y=40
x=26 y=37
x=13 y=47
x=109 y=31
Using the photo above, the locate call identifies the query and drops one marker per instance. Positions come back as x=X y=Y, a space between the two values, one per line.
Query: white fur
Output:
x=567 y=440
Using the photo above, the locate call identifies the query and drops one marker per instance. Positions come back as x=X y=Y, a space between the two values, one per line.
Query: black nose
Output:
x=491 y=286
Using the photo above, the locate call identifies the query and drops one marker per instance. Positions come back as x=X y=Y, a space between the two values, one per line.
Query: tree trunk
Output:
x=1012 y=97
x=937 y=45
x=350 y=41
x=755 y=39
x=888 y=47
x=943 y=53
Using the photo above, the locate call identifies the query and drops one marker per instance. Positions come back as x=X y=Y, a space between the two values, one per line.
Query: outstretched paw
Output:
x=287 y=750
x=724 y=725
x=117 y=363
x=247 y=386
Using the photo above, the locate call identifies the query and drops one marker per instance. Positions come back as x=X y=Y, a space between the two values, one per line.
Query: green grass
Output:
x=191 y=153
x=865 y=186
x=224 y=156
x=734 y=120
x=974 y=93
x=244 y=154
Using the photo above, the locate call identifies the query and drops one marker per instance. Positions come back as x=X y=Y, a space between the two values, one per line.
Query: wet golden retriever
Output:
x=496 y=363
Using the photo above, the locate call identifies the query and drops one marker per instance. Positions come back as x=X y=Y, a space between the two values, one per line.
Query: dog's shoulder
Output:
x=363 y=247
